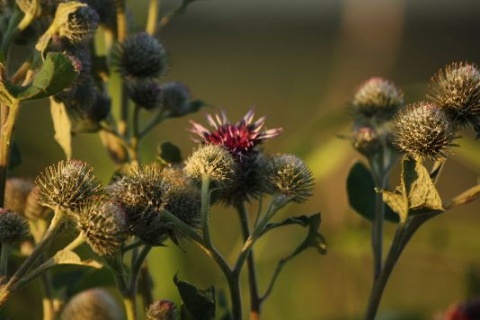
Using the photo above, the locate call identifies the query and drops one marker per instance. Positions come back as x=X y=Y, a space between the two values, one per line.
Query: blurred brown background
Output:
x=299 y=62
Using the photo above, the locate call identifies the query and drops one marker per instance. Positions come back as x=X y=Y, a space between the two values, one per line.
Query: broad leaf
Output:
x=361 y=193
x=169 y=153
x=199 y=303
x=62 y=126
x=57 y=73
x=419 y=188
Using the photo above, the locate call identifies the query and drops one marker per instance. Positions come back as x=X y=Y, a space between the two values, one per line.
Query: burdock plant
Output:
x=420 y=133
x=101 y=77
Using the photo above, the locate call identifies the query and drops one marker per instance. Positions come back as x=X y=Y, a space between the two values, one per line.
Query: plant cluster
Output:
x=102 y=77
x=421 y=134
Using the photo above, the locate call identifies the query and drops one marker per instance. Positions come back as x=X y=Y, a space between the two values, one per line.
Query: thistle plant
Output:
x=421 y=135
x=100 y=77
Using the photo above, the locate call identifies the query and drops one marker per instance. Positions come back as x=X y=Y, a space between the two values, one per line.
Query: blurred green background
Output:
x=299 y=62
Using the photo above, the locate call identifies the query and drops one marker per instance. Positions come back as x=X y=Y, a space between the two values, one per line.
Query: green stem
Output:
x=47 y=299
x=204 y=212
x=403 y=235
x=380 y=178
x=136 y=267
x=9 y=115
x=255 y=301
x=153 y=9
x=382 y=279
x=6 y=248
x=130 y=307
x=53 y=229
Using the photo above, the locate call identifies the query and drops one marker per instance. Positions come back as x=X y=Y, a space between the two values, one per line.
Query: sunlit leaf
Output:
x=62 y=126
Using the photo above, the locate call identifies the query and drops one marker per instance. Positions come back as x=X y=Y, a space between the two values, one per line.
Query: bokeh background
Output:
x=299 y=62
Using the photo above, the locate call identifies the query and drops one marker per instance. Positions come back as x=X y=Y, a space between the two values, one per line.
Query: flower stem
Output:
x=153 y=8
x=8 y=119
x=255 y=301
x=53 y=229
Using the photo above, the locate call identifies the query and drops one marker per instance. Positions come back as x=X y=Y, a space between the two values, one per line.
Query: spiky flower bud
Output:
x=67 y=185
x=140 y=56
x=366 y=140
x=162 y=310
x=13 y=227
x=176 y=98
x=140 y=192
x=456 y=89
x=75 y=21
x=423 y=129
x=144 y=92
x=16 y=193
x=93 y=303
x=213 y=162
x=182 y=200
x=290 y=177
x=103 y=225
x=377 y=98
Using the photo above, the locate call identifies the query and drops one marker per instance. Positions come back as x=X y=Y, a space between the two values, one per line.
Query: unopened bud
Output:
x=92 y=304
x=162 y=310
x=13 y=227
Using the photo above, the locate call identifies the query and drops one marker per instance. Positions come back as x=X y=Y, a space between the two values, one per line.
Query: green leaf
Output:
x=419 y=188
x=57 y=73
x=168 y=153
x=199 y=303
x=361 y=193
x=396 y=202
x=62 y=126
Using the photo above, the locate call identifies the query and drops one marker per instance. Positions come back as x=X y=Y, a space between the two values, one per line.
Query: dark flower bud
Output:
x=290 y=177
x=377 y=98
x=423 y=129
x=144 y=92
x=13 y=227
x=103 y=225
x=16 y=193
x=92 y=304
x=140 y=56
x=67 y=185
x=176 y=98
x=366 y=140
x=162 y=310
x=456 y=89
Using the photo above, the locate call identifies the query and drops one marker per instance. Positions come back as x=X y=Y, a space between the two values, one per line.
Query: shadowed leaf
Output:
x=199 y=303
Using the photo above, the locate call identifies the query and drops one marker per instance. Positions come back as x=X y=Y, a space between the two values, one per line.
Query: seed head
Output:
x=456 y=89
x=162 y=310
x=377 y=98
x=182 y=199
x=213 y=162
x=93 y=303
x=140 y=191
x=290 y=177
x=140 y=56
x=13 y=227
x=176 y=98
x=103 y=224
x=144 y=92
x=423 y=129
x=67 y=185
